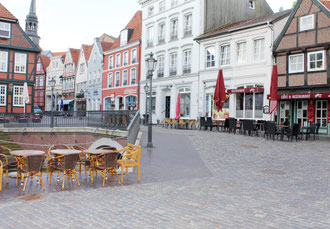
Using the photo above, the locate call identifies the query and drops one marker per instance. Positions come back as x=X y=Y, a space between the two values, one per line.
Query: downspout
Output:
x=139 y=83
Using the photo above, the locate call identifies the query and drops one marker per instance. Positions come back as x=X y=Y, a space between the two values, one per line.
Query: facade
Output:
x=40 y=82
x=94 y=75
x=243 y=50
x=55 y=71
x=120 y=86
x=169 y=29
x=81 y=78
x=303 y=58
x=69 y=75
x=18 y=57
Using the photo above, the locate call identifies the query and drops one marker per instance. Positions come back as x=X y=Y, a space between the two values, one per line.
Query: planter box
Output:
x=36 y=120
x=4 y=120
x=23 y=120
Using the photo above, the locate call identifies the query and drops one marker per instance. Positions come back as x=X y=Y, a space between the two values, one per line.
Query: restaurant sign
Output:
x=304 y=96
x=246 y=90
x=130 y=91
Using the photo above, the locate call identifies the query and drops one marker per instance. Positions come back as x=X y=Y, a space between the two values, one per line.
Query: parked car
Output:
x=37 y=111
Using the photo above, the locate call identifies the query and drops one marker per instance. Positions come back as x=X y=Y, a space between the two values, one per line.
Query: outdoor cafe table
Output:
x=65 y=151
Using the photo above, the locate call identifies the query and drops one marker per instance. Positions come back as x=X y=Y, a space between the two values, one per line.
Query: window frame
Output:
x=125 y=74
x=162 y=6
x=118 y=60
x=131 y=82
x=161 y=32
x=4 y=24
x=150 y=36
x=227 y=56
x=151 y=10
x=303 y=63
x=210 y=62
x=125 y=58
x=187 y=28
x=20 y=66
x=3 y=95
x=174 y=28
x=244 y=52
x=117 y=74
x=261 y=54
x=173 y=65
x=134 y=56
x=110 y=80
x=1 y=61
x=186 y=60
x=323 y=61
x=110 y=64
x=19 y=96
x=253 y=6
x=160 y=65
x=301 y=24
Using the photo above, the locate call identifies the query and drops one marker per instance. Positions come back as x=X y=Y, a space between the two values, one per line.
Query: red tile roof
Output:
x=87 y=51
x=326 y=3
x=4 y=13
x=136 y=25
x=59 y=53
x=75 y=55
x=45 y=61
x=106 y=46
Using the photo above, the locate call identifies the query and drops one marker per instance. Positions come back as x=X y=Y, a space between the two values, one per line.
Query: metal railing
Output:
x=133 y=128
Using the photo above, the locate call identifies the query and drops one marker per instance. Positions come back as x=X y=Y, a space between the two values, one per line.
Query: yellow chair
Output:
x=83 y=158
x=1 y=174
x=173 y=123
x=7 y=164
x=131 y=158
x=166 y=122
x=49 y=156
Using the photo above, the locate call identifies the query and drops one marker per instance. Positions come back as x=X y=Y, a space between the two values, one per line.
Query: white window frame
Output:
x=160 y=65
x=117 y=74
x=303 y=64
x=308 y=61
x=3 y=61
x=20 y=62
x=125 y=75
x=174 y=28
x=19 y=102
x=174 y=3
x=302 y=24
x=151 y=10
x=225 y=55
x=118 y=61
x=173 y=63
x=161 y=32
x=131 y=82
x=3 y=95
x=259 y=49
x=110 y=80
x=150 y=36
x=5 y=27
x=134 y=56
x=187 y=24
x=241 y=52
x=125 y=58
x=162 y=6
x=252 y=4
x=186 y=60
x=110 y=62
x=209 y=61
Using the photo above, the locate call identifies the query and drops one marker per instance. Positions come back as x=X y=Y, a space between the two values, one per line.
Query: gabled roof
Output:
x=244 y=24
x=59 y=53
x=136 y=25
x=45 y=61
x=326 y=3
x=318 y=3
x=87 y=51
x=75 y=55
x=4 y=13
x=106 y=46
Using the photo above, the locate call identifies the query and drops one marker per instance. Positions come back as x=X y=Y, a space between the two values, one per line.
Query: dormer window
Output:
x=4 y=30
x=252 y=4
x=123 y=37
x=307 y=22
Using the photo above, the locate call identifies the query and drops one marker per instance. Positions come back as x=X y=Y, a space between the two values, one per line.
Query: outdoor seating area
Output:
x=65 y=161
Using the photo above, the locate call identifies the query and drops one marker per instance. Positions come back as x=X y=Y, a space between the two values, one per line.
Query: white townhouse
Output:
x=55 y=71
x=243 y=50
x=168 y=31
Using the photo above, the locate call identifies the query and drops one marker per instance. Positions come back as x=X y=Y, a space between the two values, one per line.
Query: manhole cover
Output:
x=32 y=197
x=272 y=172
x=249 y=146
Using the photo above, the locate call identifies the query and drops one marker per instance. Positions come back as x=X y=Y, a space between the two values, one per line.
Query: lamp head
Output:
x=151 y=63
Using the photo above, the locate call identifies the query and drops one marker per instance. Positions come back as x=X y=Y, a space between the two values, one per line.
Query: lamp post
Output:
x=146 y=89
x=151 y=65
x=52 y=83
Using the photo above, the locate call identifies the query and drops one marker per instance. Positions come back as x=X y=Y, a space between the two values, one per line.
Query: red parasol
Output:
x=178 y=107
x=273 y=90
x=220 y=92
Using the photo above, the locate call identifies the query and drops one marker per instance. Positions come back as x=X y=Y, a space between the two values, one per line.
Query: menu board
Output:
x=329 y=111
x=311 y=111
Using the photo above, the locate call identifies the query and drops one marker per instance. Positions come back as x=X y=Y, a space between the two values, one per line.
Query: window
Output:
x=118 y=60
x=174 y=29
x=18 y=96
x=133 y=57
x=296 y=63
x=125 y=78
x=259 y=50
x=37 y=81
x=316 y=61
x=3 y=61
x=161 y=33
x=110 y=62
x=210 y=57
x=188 y=25
x=307 y=22
x=82 y=68
x=150 y=36
x=150 y=11
x=133 y=76
x=302 y=111
x=187 y=61
x=160 y=63
x=41 y=81
x=153 y=103
x=251 y=4
x=110 y=79
x=162 y=6
x=125 y=58
x=224 y=55
x=184 y=102
x=174 y=3
x=20 y=63
x=173 y=63
x=321 y=112
x=38 y=67
x=249 y=105
x=4 y=30
x=241 y=53
x=3 y=93
x=117 y=79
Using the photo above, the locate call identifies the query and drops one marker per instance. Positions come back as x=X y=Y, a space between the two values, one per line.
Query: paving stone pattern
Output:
x=234 y=182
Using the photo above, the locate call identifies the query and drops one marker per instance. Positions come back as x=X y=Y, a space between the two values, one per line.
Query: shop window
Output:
x=185 y=102
x=322 y=112
x=284 y=111
x=131 y=102
x=302 y=111
x=109 y=104
x=249 y=105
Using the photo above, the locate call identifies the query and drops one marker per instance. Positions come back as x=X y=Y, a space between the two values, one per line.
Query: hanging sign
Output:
x=311 y=111
x=265 y=109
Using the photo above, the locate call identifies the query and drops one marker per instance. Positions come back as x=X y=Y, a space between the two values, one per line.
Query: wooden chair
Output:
x=49 y=157
x=1 y=174
x=172 y=123
x=192 y=124
x=8 y=162
x=108 y=165
x=181 y=124
x=131 y=158
x=166 y=122
x=83 y=158
x=33 y=168
x=68 y=168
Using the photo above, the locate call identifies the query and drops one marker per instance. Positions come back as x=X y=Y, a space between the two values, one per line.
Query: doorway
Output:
x=167 y=106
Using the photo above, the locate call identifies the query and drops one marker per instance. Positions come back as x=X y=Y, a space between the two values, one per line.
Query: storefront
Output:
x=305 y=108
x=130 y=102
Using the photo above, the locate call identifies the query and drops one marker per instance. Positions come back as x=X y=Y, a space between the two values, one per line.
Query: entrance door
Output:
x=284 y=111
x=167 y=106
x=302 y=108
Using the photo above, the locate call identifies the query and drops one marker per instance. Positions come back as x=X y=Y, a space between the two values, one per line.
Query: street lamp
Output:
x=52 y=83
x=146 y=89
x=151 y=63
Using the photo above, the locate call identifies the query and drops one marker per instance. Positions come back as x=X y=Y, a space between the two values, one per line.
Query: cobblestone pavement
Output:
x=234 y=182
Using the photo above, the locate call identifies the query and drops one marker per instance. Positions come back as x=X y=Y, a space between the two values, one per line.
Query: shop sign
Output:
x=130 y=91
x=265 y=109
x=246 y=90
x=311 y=111
x=329 y=111
x=304 y=96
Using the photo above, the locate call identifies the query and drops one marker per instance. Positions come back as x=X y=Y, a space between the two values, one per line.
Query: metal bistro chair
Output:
x=83 y=158
x=49 y=156
x=8 y=162
x=271 y=129
x=33 y=168
x=233 y=125
x=295 y=132
x=202 y=123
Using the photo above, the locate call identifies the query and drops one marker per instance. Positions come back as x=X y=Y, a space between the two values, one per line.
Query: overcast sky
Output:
x=67 y=24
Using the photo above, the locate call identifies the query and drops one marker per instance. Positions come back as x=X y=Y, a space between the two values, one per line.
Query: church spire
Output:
x=31 y=25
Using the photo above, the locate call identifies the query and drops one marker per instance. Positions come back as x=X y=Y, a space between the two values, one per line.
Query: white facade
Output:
x=245 y=56
x=168 y=30
x=81 y=81
x=55 y=70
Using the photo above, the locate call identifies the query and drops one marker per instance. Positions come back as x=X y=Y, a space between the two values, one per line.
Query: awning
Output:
x=66 y=101
x=325 y=95
x=245 y=90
